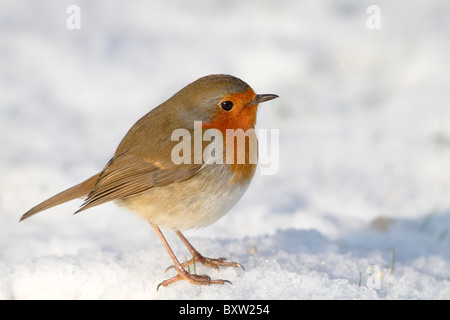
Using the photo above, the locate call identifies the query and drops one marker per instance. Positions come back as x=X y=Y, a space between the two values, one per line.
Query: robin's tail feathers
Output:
x=78 y=191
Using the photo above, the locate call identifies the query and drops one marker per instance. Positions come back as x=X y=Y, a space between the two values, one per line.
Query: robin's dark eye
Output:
x=227 y=105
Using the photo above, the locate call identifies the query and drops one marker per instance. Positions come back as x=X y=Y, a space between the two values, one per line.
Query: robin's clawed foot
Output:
x=208 y=262
x=192 y=278
x=182 y=273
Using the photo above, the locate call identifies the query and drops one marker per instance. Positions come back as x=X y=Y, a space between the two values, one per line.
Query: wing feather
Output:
x=129 y=175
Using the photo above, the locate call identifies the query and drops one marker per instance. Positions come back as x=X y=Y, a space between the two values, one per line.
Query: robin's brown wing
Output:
x=128 y=175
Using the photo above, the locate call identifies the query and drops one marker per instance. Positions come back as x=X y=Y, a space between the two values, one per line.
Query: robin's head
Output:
x=220 y=101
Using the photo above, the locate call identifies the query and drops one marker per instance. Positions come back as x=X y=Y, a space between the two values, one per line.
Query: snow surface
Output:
x=364 y=120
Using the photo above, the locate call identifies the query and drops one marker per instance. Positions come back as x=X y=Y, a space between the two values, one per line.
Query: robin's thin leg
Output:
x=197 y=257
x=182 y=274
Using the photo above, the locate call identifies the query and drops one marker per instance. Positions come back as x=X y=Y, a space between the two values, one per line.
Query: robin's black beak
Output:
x=263 y=98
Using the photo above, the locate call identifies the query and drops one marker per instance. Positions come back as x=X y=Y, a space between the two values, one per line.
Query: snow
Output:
x=363 y=117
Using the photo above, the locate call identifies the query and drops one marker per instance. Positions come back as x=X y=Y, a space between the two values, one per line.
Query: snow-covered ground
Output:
x=364 y=120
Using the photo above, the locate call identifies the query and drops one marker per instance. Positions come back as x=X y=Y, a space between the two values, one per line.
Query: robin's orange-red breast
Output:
x=143 y=177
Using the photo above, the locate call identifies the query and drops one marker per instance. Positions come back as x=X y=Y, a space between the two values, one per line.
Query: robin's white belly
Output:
x=192 y=203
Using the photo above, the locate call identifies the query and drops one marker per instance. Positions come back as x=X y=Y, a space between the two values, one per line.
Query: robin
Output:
x=143 y=178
